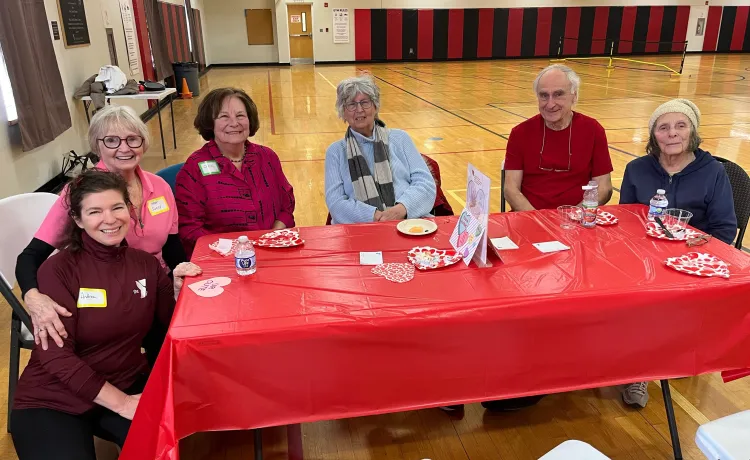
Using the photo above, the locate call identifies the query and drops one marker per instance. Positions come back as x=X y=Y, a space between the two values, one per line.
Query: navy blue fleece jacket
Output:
x=702 y=188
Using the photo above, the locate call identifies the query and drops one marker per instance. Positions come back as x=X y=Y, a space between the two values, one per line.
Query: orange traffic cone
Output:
x=185 y=94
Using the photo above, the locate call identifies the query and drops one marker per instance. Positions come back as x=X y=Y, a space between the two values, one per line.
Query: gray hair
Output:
x=349 y=88
x=116 y=117
x=652 y=148
x=573 y=78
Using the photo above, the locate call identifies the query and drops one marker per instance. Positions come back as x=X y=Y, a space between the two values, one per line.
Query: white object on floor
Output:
x=727 y=438
x=574 y=450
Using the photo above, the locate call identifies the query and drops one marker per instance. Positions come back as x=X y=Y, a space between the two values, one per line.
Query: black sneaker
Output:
x=507 y=405
x=452 y=409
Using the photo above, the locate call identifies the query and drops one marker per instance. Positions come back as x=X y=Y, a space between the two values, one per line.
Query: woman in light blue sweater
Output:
x=374 y=173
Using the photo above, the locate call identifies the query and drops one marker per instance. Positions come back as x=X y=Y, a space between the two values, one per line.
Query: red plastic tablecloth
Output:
x=315 y=336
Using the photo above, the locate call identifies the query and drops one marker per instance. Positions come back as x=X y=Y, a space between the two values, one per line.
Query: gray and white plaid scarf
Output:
x=374 y=189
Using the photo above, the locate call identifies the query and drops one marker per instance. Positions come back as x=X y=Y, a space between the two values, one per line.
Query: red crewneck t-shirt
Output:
x=550 y=189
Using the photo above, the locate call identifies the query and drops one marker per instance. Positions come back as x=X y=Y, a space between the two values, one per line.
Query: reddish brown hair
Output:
x=210 y=107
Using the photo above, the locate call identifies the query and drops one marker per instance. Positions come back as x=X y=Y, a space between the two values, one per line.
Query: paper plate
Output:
x=699 y=264
x=653 y=230
x=427 y=258
x=283 y=238
x=605 y=218
x=417 y=227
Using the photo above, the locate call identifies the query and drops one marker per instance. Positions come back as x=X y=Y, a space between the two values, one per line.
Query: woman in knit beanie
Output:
x=693 y=179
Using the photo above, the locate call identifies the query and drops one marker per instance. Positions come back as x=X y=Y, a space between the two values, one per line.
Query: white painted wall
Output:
x=198 y=5
x=27 y=171
x=226 y=33
x=695 y=42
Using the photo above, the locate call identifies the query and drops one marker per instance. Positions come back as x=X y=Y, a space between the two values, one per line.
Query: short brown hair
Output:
x=210 y=107
x=88 y=182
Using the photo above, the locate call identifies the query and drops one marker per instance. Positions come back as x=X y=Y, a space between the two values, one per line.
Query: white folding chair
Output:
x=22 y=215
x=727 y=438
x=574 y=450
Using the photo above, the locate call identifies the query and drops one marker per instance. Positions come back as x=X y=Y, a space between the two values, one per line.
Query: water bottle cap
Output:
x=660 y=191
x=242 y=239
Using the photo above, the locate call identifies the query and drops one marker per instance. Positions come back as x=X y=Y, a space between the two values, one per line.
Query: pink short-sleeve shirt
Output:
x=158 y=215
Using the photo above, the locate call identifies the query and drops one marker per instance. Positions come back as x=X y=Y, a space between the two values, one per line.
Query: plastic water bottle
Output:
x=657 y=205
x=244 y=257
x=590 y=205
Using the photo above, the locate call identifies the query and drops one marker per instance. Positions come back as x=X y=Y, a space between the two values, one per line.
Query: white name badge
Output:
x=209 y=168
x=157 y=206
x=92 y=298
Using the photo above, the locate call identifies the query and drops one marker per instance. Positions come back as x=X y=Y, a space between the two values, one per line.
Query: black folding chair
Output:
x=740 y=182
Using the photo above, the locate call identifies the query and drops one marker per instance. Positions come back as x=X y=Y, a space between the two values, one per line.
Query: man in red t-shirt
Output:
x=552 y=155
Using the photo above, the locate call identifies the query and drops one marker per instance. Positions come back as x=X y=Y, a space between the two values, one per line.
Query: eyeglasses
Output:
x=541 y=152
x=352 y=106
x=113 y=142
x=698 y=240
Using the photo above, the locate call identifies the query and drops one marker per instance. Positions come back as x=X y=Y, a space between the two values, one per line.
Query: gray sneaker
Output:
x=635 y=394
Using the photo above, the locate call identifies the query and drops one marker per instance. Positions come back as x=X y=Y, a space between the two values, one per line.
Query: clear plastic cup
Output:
x=570 y=216
x=676 y=220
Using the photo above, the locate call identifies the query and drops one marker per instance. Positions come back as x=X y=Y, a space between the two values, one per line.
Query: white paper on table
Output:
x=370 y=258
x=551 y=246
x=503 y=243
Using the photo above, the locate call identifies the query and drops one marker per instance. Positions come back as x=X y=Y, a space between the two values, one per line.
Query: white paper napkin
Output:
x=551 y=246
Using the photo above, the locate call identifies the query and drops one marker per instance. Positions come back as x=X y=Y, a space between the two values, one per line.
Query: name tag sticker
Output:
x=157 y=206
x=92 y=298
x=209 y=168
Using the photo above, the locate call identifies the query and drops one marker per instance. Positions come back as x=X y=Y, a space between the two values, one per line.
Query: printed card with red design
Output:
x=699 y=264
x=398 y=273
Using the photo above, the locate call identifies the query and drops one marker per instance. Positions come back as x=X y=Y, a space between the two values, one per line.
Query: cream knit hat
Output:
x=682 y=106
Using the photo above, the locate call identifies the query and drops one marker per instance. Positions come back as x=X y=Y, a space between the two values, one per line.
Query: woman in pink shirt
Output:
x=120 y=138
x=231 y=184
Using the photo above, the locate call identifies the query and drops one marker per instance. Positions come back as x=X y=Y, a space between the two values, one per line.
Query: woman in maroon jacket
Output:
x=91 y=386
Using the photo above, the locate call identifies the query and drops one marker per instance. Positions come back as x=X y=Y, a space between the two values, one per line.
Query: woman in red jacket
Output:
x=231 y=184
x=91 y=386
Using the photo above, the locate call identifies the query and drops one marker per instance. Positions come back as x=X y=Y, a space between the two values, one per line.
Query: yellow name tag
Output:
x=92 y=298
x=157 y=206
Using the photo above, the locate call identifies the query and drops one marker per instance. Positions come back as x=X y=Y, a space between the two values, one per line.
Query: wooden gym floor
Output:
x=460 y=113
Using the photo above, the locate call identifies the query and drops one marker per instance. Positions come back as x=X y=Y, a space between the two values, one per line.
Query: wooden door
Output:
x=300 y=32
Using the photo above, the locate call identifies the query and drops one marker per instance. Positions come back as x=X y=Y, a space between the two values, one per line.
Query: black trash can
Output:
x=188 y=71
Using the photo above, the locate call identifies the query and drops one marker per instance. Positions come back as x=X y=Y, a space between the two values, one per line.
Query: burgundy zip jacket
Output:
x=114 y=294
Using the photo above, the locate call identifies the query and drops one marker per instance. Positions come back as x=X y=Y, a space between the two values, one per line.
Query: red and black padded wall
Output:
x=727 y=29
x=442 y=34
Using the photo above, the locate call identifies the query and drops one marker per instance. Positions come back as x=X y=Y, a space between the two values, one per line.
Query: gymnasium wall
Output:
x=516 y=32
x=325 y=50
